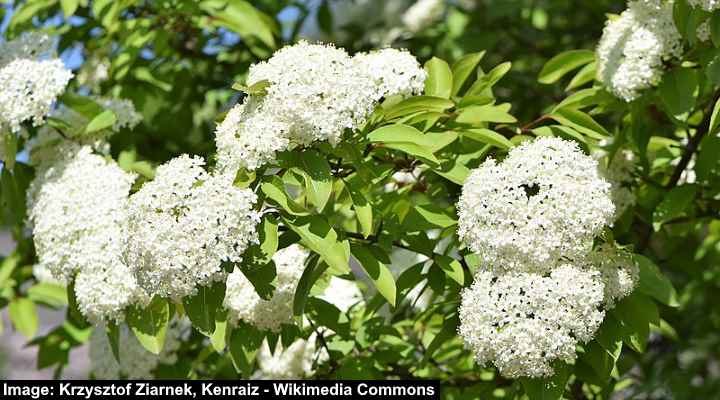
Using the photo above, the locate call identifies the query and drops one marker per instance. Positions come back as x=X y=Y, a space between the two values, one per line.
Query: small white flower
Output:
x=342 y=293
x=619 y=272
x=393 y=72
x=125 y=114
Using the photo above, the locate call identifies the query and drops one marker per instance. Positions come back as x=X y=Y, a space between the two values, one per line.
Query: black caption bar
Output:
x=182 y=390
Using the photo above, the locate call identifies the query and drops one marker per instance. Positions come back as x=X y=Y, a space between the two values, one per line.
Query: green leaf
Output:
x=487 y=136
x=113 y=333
x=474 y=115
x=361 y=205
x=636 y=312
x=219 y=337
x=674 y=205
x=258 y=88
x=715 y=29
x=451 y=267
x=318 y=236
x=581 y=122
x=417 y=104
x=484 y=83
x=707 y=165
x=548 y=388
x=144 y=74
x=9 y=148
x=275 y=190
x=714 y=120
x=678 y=91
x=377 y=271
x=69 y=6
x=427 y=216
x=244 y=19
x=244 y=343
x=563 y=63
x=82 y=105
x=7 y=267
x=150 y=323
x=463 y=68
x=406 y=139
x=447 y=332
x=23 y=315
x=318 y=177
x=585 y=75
x=104 y=120
x=654 y=283
x=310 y=275
x=51 y=294
x=202 y=307
x=439 y=80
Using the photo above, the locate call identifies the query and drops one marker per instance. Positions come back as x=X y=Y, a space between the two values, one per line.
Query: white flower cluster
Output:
x=545 y=201
x=522 y=322
x=314 y=93
x=125 y=114
x=631 y=51
x=77 y=208
x=620 y=173
x=295 y=362
x=184 y=224
x=93 y=72
x=243 y=302
x=135 y=361
x=31 y=79
x=422 y=14
x=707 y=5
x=532 y=220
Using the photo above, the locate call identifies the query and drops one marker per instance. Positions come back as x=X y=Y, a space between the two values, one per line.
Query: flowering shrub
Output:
x=208 y=196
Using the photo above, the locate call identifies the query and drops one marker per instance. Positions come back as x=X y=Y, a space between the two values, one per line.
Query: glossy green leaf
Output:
x=318 y=236
x=378 y=272
x=654 y=283
x=104 y=120
x=474 y=115
x=24 y=317
x=581 y=122
x=563 y=63
x=487 y=136
x=439 y=81
x=451 y=267
x=202 y=308
x=463 y=69
x=52 y=294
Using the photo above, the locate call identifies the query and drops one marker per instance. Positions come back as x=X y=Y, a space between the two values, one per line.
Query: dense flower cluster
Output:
x=77 y=207
x=631 y=51
x=313 y=93
x=532 y=220
x=544 y=201
x=135 y=361
x=342 y=293
x=184 y=224
x=31 y=78
x=523 y=321
x=243 y=302
x=707 y=5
